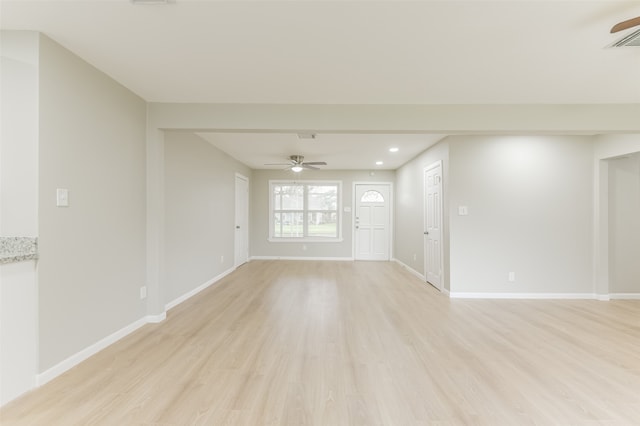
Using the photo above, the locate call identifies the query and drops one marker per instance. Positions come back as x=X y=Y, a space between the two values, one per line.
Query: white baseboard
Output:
x=466 y=295
x=346 y=259
x=153 y=319
x=198 y=289
x=89 y=351
x=410 y=269
x=620 y=296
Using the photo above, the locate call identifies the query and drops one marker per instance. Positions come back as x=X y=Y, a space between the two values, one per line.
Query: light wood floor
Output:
x=364 y=343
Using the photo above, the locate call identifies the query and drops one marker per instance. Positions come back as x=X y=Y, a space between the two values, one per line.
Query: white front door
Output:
x=433 y=224
x=371 y=222
x=242 y=221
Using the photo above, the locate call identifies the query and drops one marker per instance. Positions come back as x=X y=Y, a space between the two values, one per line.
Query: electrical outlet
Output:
x=143 y=292
x=62 y=197
x=512 y=277
x=221 y=259
x=415 y=257
x=304 y=247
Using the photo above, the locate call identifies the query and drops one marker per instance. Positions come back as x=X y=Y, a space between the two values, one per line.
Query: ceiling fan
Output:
x=296 y=164
x=629 y=23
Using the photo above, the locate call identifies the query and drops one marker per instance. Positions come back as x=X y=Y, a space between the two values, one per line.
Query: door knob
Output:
x=237 y=226
x=426 y=232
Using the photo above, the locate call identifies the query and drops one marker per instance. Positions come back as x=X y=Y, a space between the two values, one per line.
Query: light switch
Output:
x=62 y=197
x=463 y=210
x=347 y=209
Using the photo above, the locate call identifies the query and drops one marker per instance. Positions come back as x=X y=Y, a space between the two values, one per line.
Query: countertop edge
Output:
x=18 y=249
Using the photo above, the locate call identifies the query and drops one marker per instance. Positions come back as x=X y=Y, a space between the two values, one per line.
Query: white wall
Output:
x=530 y=212
x=199 y=212
x=19 y=133
x=259 y=215
x=409 y=241
x=18 y=208
x=624 y=225
x=92 y=253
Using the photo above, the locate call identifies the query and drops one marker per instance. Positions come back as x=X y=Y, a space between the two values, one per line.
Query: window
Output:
x=372 y=196
x=304 y=211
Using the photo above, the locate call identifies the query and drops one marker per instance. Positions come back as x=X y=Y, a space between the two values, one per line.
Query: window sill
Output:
x=305 y=240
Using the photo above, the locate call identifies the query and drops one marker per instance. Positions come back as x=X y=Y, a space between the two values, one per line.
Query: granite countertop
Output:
x=17 y=249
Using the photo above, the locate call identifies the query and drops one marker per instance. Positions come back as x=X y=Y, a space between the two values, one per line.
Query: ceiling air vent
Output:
x=632 y=39
x=306 y=135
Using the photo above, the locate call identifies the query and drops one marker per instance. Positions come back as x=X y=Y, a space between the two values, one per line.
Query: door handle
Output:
x=237 y=226
x=426 y=232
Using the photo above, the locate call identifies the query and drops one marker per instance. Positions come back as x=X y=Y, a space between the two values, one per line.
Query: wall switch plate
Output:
x=143 y=292
x=221 y=259
x=62 y=197
x=512 y=277
x=463 y=210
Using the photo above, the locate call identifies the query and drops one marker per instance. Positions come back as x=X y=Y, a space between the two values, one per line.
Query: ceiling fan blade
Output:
x=277 y=164
x=307 y=166
x=315 y=163
x=620 y=26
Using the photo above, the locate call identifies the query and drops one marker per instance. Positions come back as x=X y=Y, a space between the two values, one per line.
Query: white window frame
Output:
x=305 y=211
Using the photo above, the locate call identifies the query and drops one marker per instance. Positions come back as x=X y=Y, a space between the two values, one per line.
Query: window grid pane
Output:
x=288 y=224
x=289 y=197
x=322 y=197
x=322 y=224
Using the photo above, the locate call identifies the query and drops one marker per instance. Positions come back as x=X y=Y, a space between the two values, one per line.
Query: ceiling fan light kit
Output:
x=296 y=164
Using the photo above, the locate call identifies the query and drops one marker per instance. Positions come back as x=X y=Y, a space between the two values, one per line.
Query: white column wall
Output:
x=18 y=209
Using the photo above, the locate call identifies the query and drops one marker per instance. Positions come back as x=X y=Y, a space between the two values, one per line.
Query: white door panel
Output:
x=379 y=243
x=379 y=216
x=241 y=243
x=364 y=243
x=433 y=224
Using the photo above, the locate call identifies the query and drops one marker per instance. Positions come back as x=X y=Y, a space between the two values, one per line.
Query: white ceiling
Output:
x=339 y=151
x=346 y=52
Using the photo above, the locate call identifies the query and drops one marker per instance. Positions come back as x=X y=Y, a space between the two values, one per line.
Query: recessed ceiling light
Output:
x=394 y=149
x=379 y=163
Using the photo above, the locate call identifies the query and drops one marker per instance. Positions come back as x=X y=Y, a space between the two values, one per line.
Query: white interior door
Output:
x=433 y=224
x=372 y=232
x=242 y=221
